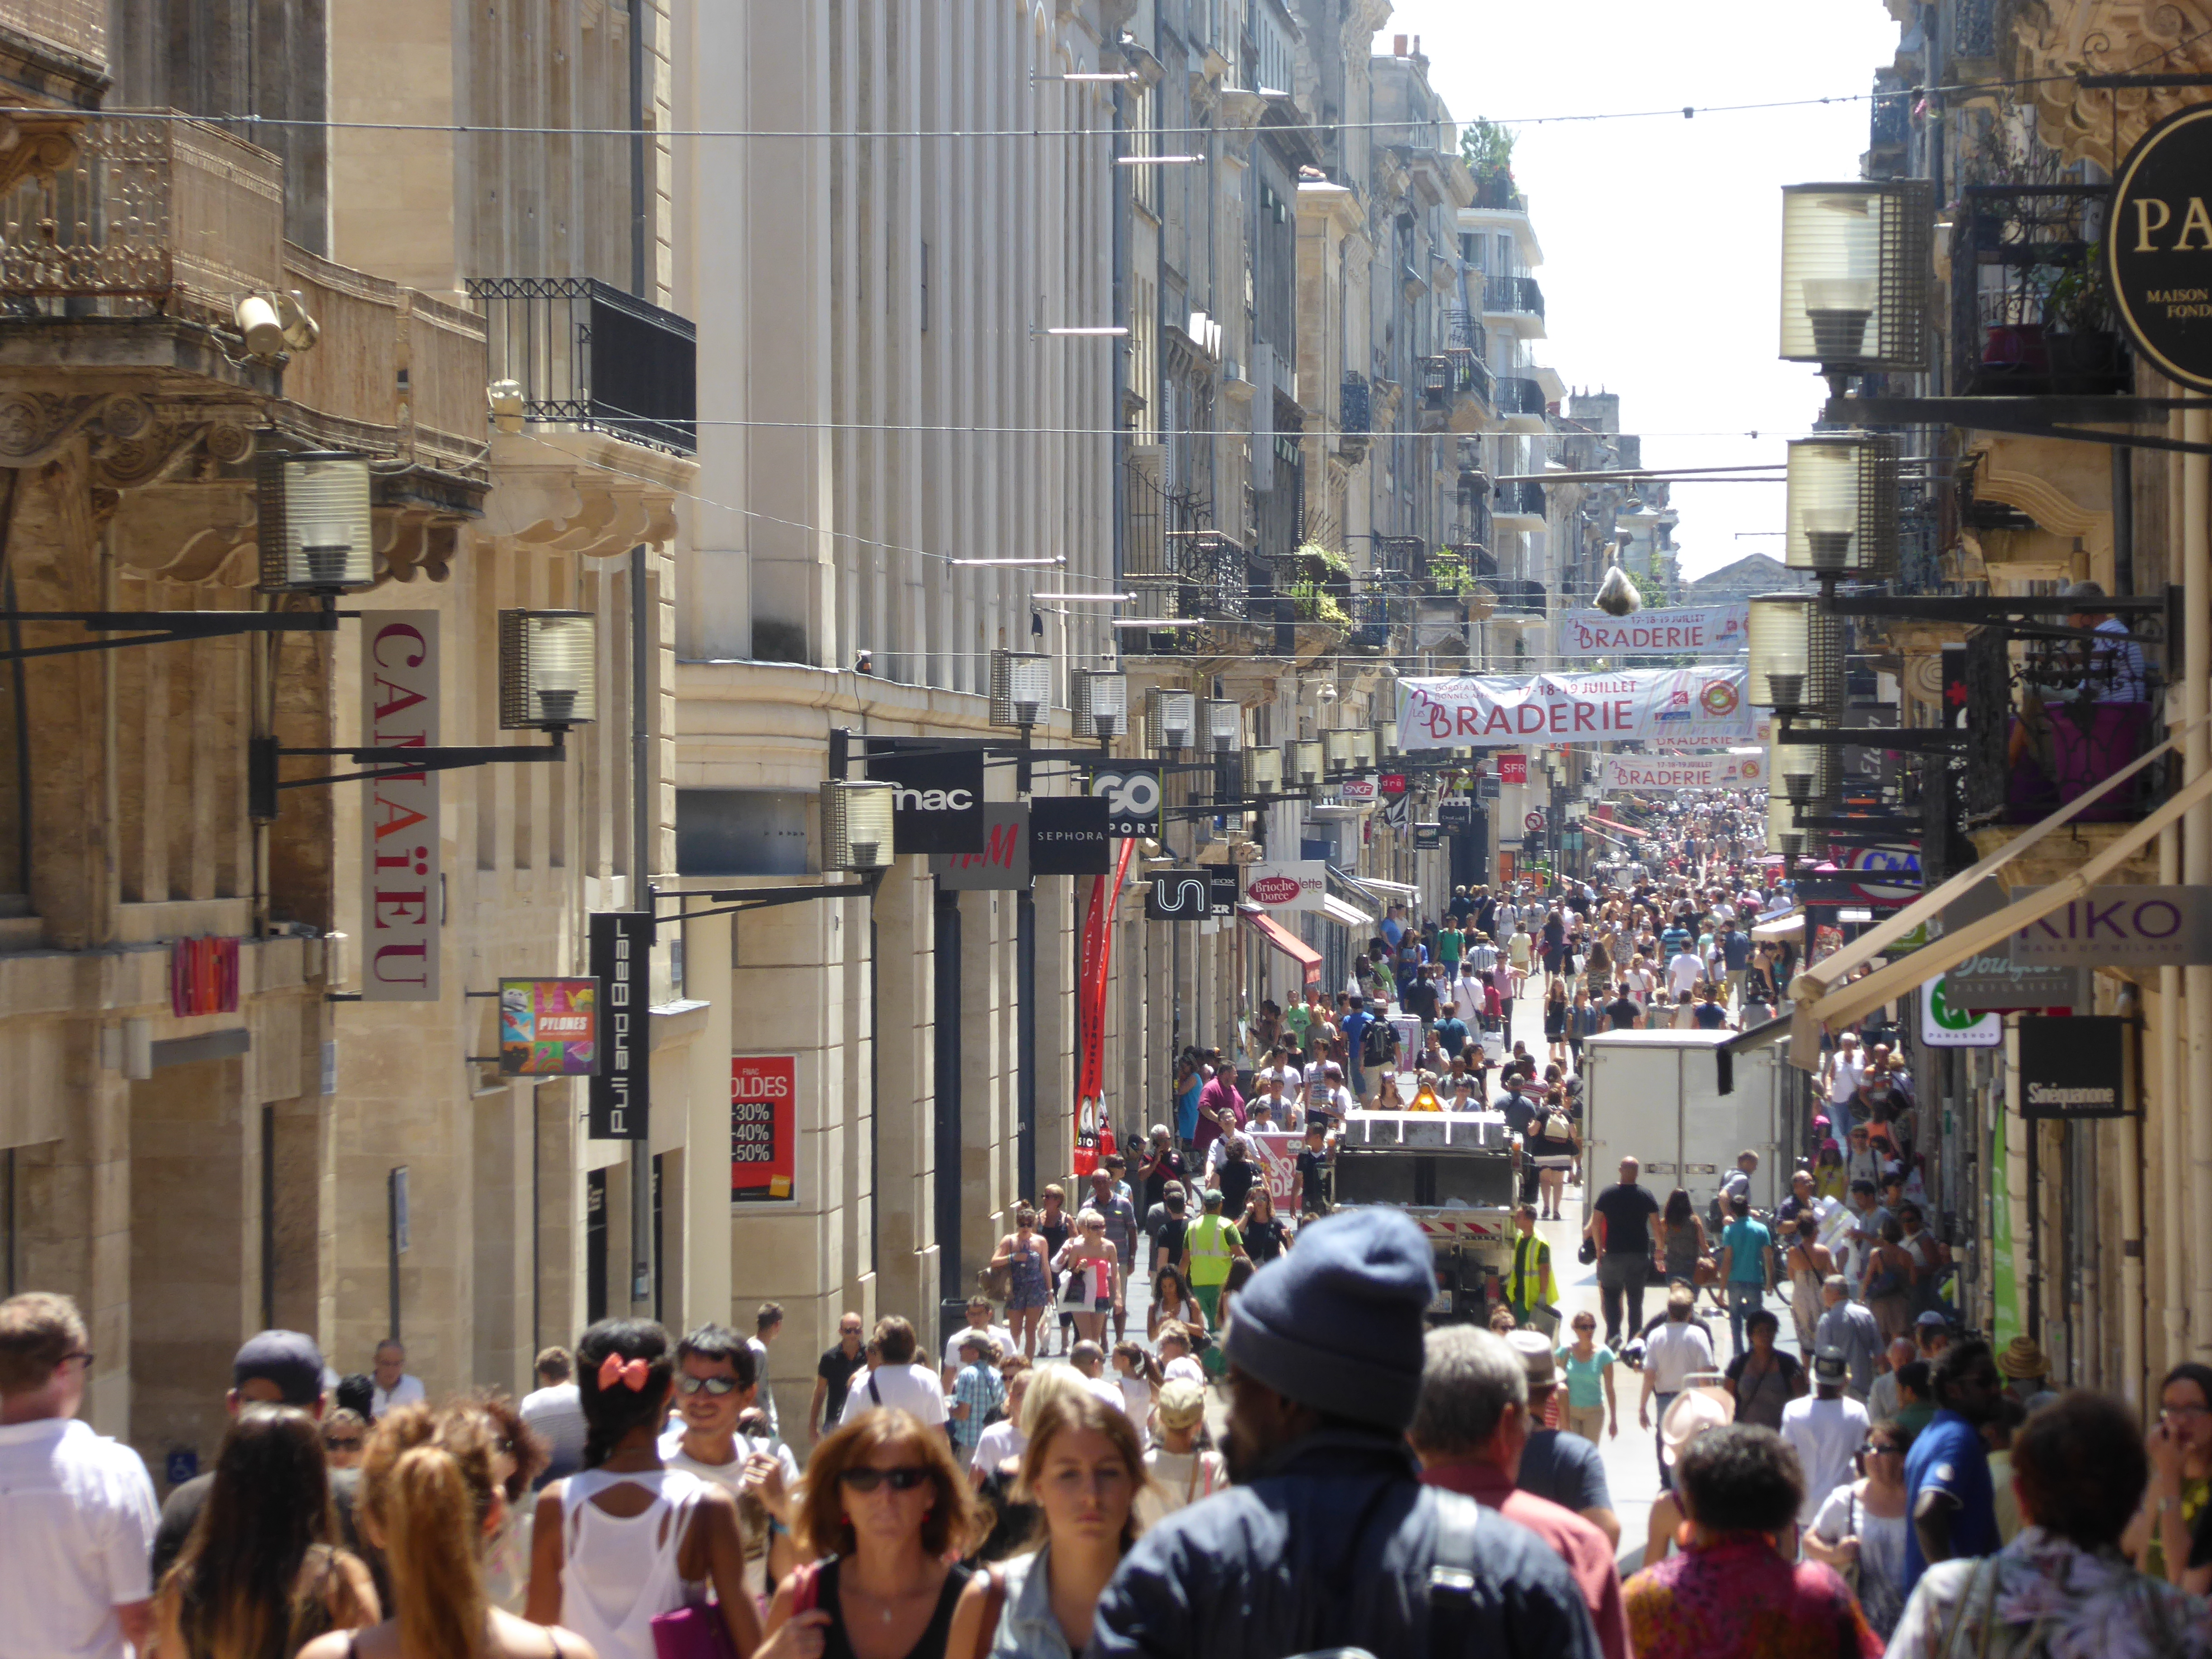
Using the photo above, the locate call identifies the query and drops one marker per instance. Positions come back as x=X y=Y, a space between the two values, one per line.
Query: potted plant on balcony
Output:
x=1311 y=605
x=2080 y=339
x=1448 y=575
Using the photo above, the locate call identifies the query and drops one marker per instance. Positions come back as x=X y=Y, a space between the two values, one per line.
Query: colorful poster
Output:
x=2004 y=1273
x=1681 y=628
x=1693 y=705
x=1278 y=1162
x=1721 y=771
x=549 y=1027
x=763 y=1128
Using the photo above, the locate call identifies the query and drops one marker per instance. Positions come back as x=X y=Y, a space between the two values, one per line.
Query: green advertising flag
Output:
x=2004 y=1325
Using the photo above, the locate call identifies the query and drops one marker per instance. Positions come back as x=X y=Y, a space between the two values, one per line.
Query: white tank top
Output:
x=617 y=1574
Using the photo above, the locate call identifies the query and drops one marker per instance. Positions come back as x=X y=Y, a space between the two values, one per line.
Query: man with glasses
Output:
x=717 y=1380
x=833 y=1376
x=1948 y=1494
x=898 y=1381
x=77 y=1509
x=345 y=1437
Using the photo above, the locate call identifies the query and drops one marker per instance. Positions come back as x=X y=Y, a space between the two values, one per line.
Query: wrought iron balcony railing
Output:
x=1467 y=330
x=1399 y=558
x=148 y=214
x=1513 y=294
x=1519 y=395
x=1355 y=411
x=586 y=354
x=1518 y=595
x=2029 y=312
x=1525 y=499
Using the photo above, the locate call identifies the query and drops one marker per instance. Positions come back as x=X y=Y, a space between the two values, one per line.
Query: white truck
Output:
x=1655 y=1097
x=1454 y=1173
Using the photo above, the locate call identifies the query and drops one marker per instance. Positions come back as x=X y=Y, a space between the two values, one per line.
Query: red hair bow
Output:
x=631 y=1375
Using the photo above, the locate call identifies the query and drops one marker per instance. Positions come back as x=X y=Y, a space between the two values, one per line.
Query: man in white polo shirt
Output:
x=898 y=1381
x=76 y=1509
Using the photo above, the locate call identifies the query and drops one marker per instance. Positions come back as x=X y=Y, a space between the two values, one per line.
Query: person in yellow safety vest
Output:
x=1529 y=1285
x=1210 y=1244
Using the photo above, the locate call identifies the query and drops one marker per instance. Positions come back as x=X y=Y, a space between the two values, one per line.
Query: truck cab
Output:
x=1453 y=1173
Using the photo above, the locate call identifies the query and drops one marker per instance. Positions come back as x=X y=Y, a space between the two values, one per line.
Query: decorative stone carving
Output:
x=36 y=145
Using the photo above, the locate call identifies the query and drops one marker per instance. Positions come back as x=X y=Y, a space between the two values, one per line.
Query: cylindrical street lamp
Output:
x=315 y=530
x=1021 y=687
x=547 y=670
x=1170 y=718
x=856 y=824
x=1336 y=749
x=1224 y=724
x=1854 y=274
x=1363 y=750
x=1304 y=763
x=1263 y=771
x=1102 y=702
x=1778 y=642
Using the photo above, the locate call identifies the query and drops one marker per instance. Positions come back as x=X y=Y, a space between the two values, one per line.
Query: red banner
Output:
x=1090 y=998
x=763 y=1128
x=1513 y=768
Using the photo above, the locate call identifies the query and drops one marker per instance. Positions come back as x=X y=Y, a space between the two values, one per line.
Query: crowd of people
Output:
x=1268 y=1452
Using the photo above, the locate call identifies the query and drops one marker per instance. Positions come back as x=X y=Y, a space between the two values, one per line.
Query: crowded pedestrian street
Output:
x=1125 y=829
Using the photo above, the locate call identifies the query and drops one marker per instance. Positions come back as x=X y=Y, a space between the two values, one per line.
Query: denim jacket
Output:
x=1332 y=1546
x=1027 y=1629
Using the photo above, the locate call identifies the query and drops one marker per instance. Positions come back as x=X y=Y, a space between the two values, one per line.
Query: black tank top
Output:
x=932 y=1644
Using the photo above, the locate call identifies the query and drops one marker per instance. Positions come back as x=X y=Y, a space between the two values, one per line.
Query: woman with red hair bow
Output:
x=626 y=1539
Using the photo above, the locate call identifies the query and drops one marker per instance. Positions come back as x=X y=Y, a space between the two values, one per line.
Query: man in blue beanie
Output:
x=1328 y=1539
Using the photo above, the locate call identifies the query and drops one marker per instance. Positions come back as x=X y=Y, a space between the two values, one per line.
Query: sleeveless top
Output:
x=1681 y=1249
x=618 y=1573
x=835 y=1644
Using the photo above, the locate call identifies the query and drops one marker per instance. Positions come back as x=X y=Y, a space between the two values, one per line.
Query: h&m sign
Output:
x=1003 y=863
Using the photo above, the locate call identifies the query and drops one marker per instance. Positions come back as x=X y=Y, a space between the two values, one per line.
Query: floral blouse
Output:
x=1735 y=1598
x=2045 y=1595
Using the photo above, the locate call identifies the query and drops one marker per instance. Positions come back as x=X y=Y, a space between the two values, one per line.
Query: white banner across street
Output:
x=1681 y=628
x=1688 y=706
x=1726 y=771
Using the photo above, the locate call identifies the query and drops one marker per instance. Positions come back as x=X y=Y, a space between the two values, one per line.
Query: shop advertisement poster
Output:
x=549 y=1027
x=1690 y=705
x=1278 y=1162
x=763 y=1128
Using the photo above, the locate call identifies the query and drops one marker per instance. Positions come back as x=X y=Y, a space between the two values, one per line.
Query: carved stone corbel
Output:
x=37 y=144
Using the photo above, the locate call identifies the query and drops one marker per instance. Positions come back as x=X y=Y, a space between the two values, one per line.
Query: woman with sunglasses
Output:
x=887 y=1514
x=626 y=1538
x=1592 y=1404
x=1022 y=1254
x=2181 y=1489
x=1083 y=1470
x=1860 y=1530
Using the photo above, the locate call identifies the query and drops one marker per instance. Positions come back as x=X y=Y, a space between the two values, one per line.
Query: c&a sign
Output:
x=399 y=876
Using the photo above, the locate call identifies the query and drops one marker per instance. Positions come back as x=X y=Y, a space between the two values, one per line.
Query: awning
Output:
x=1288 y=943
x=1376 y=885
x=1823 y=1000
x=1789 y=927
x=1345 y=914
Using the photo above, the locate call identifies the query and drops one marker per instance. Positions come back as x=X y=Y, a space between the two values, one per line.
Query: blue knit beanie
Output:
x=1335 y=1323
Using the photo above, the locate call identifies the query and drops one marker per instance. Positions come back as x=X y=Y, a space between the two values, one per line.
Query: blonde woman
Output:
x=1084 y=1471
x=431 y=1496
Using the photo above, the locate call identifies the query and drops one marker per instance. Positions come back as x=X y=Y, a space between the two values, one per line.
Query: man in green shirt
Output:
x=1297 y=1018
x=1747 y=1264
x=1448 y=941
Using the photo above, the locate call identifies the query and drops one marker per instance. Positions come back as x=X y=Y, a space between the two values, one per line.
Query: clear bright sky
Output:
x=1662 y=239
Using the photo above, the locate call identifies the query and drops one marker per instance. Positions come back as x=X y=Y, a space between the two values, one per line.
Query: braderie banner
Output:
x=1685 y=706
x=1722 y=771
x=1678 y=627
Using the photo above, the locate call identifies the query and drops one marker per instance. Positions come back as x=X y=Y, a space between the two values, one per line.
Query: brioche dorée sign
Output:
x=399 y=828
x=1289 y=885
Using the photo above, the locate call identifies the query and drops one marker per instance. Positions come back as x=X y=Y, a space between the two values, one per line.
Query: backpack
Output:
x=1377 y=1043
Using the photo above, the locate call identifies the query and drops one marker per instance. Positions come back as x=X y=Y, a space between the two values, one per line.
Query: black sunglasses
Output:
x=342 y=1441
x=905 y=1479
x=717 y=1386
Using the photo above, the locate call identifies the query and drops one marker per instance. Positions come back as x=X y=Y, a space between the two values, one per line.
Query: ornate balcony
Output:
x=587 y=355
x=2029 y=313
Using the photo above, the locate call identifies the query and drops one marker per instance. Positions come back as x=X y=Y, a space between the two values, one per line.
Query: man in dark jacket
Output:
x=1328 y=1539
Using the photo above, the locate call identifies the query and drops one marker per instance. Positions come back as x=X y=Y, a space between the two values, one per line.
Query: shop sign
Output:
x=2158 y=240
x=1678 y=627
x=1455 y=812
x=1222 y=889
x=1428 y=837
x=401 y=895
x=1358 y=792
x=1393 y=783
x=1693 y=706
x=1179 y=895
x=1278 y=1158
x=549 y=1027
x=1133 y=797
x=1944 y=1026
x=2123 y=927
x=937 y=805
x=2075 y=1066
x=1990 y=982
x=1003 y=865
x=1067 y=836
x=1287 y=885
x=1513 y=768
x=622 y=953
x=763 y=1128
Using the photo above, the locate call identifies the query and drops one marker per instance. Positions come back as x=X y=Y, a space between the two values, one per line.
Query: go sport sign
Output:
x=1685 y=706
x=2158 y=242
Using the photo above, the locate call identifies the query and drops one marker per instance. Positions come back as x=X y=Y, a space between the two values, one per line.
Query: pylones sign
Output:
x=1498 y=711
x=1682 y=628
x=399 y=823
